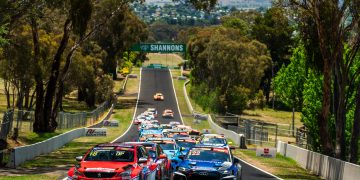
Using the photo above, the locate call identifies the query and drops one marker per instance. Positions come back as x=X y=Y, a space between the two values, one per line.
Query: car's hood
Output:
x=207 y=165
x=104 y=166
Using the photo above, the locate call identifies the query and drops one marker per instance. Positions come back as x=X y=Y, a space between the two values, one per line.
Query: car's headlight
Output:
x=182 y=169
x=225 y=172
x=125 y=175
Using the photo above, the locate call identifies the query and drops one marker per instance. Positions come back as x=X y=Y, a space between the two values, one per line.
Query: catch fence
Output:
x=16 y=122
x=259 y=132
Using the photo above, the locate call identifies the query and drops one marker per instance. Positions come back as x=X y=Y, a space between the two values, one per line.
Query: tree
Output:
x=290 y=80
x=230 y=64
x=274 y=30
x=326 y=22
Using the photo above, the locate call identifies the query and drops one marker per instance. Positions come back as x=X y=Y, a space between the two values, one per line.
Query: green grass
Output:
x=280 y=166
x=165 y=59
x=179 y=84
x=118 y=85
x=274 y=116
x=29 y=177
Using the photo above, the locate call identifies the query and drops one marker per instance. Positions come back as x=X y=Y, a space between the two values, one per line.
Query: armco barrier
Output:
x=229 y=134
x=321 y=165
x=21 y=154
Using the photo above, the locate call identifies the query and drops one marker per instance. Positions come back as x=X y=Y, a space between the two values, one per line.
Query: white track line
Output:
x=132 y=121
x=177 y=103
x=259 y=169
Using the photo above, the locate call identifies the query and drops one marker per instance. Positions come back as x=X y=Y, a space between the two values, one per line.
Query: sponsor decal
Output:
x=266 y=152
x=95 y=131
x=112 y=123
x=108 y=170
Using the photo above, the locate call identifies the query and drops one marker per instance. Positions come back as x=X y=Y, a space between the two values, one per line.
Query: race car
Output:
x=168 y=145
x=158 y=156
x=213 y=139
x=168 y=113
x=170 y=148
x=158 y=97
x=204 y=162
x=148 y=125
x=115 y=161
x=149 y=133
x=174 y=123
x=166 y=126
x=185 y=144
x=138 y=121
x=171 y=133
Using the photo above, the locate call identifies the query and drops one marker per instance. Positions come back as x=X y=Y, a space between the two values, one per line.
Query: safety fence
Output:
x=319 y=164
x=259 y=132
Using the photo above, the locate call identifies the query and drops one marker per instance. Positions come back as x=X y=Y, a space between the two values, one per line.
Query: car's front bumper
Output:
x=194 y=175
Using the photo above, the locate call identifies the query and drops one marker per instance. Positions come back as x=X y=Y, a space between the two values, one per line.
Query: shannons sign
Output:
x=167 y=48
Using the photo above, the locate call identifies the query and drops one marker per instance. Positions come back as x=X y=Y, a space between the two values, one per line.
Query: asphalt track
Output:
x=159 y=80
x=153 y=81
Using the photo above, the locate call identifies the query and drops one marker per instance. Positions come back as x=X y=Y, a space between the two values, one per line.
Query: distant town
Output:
x=183 y=14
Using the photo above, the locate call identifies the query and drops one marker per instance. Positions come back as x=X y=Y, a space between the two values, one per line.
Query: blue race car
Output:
x=170 y=148
x=145 y=134
x=205 y=162
x=213 y=140
x=185 y=143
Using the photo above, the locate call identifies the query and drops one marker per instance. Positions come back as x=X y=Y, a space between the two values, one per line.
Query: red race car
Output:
x=157 y=154
x=115 y=161
x=158 y=97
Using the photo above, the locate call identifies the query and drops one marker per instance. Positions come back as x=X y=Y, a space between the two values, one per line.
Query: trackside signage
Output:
x=166 y=48
x=113 y=123
x=266 y=152
x=95 y=131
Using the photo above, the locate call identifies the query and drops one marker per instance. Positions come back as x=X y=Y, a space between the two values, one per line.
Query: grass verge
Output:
x=179 y=84
x=280 y=166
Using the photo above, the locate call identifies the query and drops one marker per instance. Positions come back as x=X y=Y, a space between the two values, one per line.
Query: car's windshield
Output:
x=166 y=127
x=101 y=154
x=152 y=153
x=185 y=144
x=167 y=146
x=213 y=141
x=208 y=155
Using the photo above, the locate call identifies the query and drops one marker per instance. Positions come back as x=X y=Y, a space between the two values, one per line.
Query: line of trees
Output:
x=52 y=48
x=326 y=65
x=314 y=49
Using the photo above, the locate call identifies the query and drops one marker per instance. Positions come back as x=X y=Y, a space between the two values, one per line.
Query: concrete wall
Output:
x=21 y=154
x=229 y=134
x=321 y=165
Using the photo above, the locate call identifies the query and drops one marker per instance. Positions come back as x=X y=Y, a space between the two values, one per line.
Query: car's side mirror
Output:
x=182 y=157
x=162 y=156
x=79 y=158
x=142 y=160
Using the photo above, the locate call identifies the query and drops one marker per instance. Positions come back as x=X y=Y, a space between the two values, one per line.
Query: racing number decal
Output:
x=120 y=153
x=195 y=153
x=93 y=153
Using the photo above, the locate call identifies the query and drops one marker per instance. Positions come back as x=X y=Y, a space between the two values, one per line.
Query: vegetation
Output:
x=280 y=166
x=227 y=68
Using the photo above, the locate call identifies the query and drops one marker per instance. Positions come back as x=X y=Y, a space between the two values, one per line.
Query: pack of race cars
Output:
x=162 y=151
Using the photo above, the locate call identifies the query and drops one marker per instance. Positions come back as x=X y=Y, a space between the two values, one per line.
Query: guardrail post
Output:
x=276 y=133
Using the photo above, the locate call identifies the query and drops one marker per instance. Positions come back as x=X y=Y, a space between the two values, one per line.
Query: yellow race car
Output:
x=158 y=97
